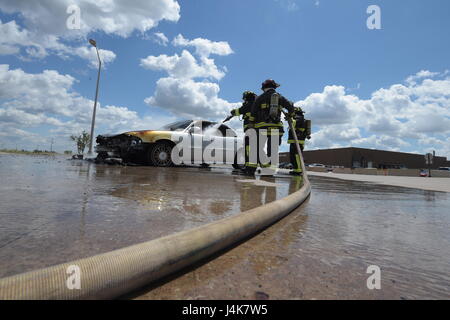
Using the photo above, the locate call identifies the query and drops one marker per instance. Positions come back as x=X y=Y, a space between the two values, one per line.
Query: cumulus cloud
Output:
x=161 y=38
x=188 y=98
x=46 y=30
x=119 y=17
x=331 y=106
x=184 y=66
x=400 y=117
x=30 y=100
x=13 y=38
x=179 y=93
x=90 y=54
x=411 y=80
x=204 y=47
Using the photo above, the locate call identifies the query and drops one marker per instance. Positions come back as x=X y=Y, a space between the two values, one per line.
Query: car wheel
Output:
x=160 y=155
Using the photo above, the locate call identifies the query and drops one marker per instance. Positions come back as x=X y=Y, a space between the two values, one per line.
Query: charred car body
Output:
x=154 y=147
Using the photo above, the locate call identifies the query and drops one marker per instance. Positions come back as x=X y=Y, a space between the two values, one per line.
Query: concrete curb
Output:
x=118 y=272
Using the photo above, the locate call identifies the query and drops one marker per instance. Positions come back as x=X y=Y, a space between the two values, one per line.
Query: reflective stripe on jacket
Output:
x=260 y=110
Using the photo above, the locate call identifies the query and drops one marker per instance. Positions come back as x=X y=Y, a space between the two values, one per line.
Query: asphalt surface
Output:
x=53 y=210
x=323 y=249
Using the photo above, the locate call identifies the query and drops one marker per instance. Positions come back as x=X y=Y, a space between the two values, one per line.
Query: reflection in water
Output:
x=241 y=272
x=429 y=195
x=402 y=230
x=54 y=210
x=266 y=189
x=85 y=199
x=322 y=249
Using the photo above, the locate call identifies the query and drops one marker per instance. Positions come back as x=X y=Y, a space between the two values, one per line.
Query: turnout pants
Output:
x=295 y=158
x=247 y=150
x=265 y=139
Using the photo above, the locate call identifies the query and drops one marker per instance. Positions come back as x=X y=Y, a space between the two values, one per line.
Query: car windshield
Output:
x=176 y=126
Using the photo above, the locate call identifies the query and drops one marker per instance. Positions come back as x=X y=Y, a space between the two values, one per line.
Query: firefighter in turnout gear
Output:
x=266 y=113
x=245 y=110
x=303 y=131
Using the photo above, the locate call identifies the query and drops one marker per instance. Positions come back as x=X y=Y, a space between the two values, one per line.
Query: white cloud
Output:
x=332 y=106
x=46 y=31
x=394 y=118
x=161 y=38
x=190 y=99
x=90 y=54
x=46 y=99
x=179 y=93
x=13 y=38
x=204 y=47
x=11 y=115
x=411 y=80
x=184 y=66
x=119 y=17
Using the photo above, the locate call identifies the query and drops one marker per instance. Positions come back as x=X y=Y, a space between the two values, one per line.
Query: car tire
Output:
x=160 y=154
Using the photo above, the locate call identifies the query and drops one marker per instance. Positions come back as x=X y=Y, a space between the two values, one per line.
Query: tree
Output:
x=82 y=140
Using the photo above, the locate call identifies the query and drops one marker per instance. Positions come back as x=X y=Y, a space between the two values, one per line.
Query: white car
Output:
x=316 y=165
x=203 y=142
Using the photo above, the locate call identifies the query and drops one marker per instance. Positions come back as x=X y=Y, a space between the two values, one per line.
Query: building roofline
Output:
x=356 y=148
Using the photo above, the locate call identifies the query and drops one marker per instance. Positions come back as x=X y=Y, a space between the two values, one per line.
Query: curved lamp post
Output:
x=93 y=43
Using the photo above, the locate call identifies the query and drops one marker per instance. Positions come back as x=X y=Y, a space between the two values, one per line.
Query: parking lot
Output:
x=54 y=210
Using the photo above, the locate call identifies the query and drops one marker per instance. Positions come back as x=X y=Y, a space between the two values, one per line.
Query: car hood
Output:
x=148 y=136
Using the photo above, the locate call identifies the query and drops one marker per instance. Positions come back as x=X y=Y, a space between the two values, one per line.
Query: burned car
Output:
x=154 y=147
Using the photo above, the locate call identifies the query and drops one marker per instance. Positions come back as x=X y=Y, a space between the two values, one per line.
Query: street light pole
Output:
x=93 y=43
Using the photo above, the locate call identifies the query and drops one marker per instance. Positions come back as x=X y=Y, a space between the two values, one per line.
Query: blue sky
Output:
x=385 y=89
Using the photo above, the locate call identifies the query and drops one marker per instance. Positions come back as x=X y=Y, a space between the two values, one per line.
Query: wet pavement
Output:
x=423 y=183
x=54 y=210
x=322 y=250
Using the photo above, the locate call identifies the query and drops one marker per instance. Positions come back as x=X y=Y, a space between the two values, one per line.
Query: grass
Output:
x=26 y=152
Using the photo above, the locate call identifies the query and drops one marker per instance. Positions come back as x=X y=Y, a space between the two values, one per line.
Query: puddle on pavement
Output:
x=322 y=250
x=53 y=210
x=259 y=182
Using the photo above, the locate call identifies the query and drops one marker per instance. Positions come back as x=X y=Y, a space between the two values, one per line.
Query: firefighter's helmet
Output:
x=248 y=95
x=269 y=83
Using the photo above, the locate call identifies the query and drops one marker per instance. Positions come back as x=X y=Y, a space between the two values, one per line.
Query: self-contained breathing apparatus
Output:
x=274 y=109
